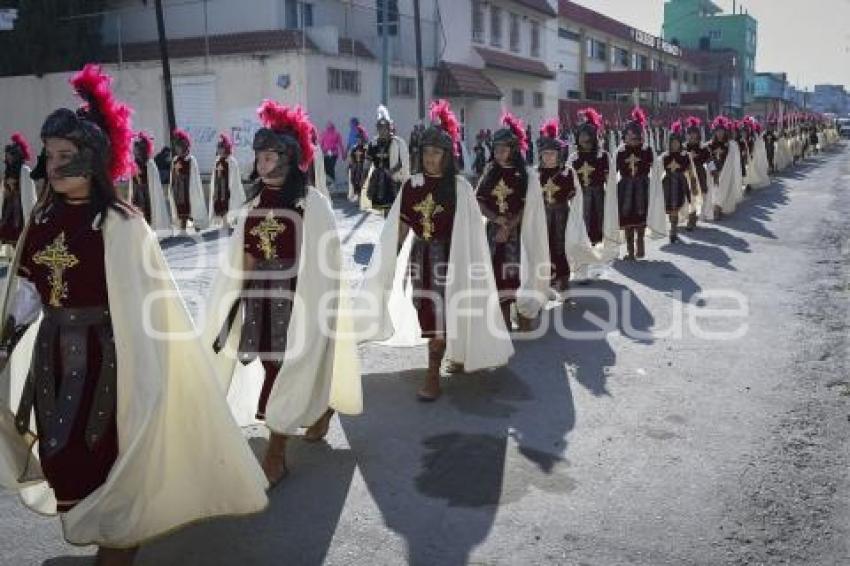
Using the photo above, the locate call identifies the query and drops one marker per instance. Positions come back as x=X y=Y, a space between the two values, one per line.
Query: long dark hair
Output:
x=294 y=187
x=493 y=169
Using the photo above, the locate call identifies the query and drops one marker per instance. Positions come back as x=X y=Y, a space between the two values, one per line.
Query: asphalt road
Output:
x=652 y=443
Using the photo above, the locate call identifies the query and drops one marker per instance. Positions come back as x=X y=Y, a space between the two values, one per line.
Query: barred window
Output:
x=477 y=21
x=514 y=33
x=535 y=39
x=518 y=97
x=495 y=26
x=344 y=80
x=538 y=99
x=402 y=87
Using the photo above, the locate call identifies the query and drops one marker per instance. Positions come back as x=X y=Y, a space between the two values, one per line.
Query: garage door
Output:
x=194 y=107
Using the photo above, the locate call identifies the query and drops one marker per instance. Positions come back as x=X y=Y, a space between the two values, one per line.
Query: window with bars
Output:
x=538 y=99
x=477 y=21
x=392 y=17
x=518 y=97
x=344 y=81
x=402 y=87
x=513 y=36
x=564 y=33
x=535 y=39
x=495 y=26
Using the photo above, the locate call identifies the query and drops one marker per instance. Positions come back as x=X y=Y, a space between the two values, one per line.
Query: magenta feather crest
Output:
x=292 y=119
x=225 y=142
x=182 y=135
x=114 y=117
x=518 y=128
x=550 y=129
x=639 y=116
x=441 y=115
x=147 y=140
x=19 y=140
x=591 y=116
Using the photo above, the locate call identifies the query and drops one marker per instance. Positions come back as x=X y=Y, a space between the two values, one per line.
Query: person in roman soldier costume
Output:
x=480 y=157
x=758 y=174
x=145 y=188
x=358 y=166
x=770 y=139
x=226 y=192
x=432 y=238
x=559 y=188
x=591 y=163
x=724 y=172
x=18 y=195
x=639 y=199
x=739 y=136
x=389 y=164
x=700 y=155
x=186 y=194
x=276 y=318
x=678 y=175
x=512 y=202
x=111 y=383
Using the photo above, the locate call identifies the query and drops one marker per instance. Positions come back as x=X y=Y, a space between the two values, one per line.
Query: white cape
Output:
x=181 y=457
x=656 y=216
x=758 y=171
x=476 y=333
x=159 y=212
x=726 y=192
x=321 y=176
x=320 y=367
x=198 y=209
x=27 y=190
x=237 y=191
x=535 y=264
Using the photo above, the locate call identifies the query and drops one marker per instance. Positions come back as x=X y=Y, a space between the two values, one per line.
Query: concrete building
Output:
x=608 y=63
x=702 y=25
x=831 y=99
x=323 y=54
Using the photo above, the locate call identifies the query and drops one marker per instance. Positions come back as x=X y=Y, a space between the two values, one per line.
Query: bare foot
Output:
x=274 y=462
x=319 y=429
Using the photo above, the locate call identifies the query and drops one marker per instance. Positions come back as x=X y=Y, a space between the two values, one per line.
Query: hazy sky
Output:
x=808 y=39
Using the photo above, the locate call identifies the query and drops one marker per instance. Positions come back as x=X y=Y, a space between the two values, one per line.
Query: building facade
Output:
x=612 y=65
x=702 y=25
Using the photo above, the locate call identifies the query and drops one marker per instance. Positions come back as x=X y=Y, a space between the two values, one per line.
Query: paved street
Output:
x=638 y=447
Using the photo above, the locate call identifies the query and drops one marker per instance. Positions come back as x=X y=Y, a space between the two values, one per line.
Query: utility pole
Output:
x=420 y=79
x=385 y=52
x=166 y=70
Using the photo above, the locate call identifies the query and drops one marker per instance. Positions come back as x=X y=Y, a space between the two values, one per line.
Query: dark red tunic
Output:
x=634 y=164
x=141 y=190
x=12 y=220
x=501 y=193
x=221 y=187
x=273 y=233
x=592 y=168
x=677 y=166
x=181 y=172
x=558 y=189
x=719 y=152
x=67 y=233
x=701 y=155
x=430 y=215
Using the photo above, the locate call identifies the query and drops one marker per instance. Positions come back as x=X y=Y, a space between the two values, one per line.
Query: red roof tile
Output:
x=505 y=61
x=354 y=47
x=455 y=80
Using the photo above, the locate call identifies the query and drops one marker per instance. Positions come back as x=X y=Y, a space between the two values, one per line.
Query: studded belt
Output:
x=58 y=404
